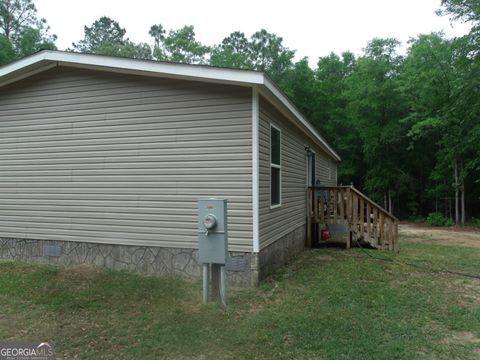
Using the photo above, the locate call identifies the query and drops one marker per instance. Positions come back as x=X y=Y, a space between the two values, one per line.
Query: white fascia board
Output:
x=255 y=170
x=291 y=108
x=23 y=63
x=25 y=74
x=140 y=67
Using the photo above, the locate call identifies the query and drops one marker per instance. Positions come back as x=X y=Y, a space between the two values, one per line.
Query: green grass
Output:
x=328 y=304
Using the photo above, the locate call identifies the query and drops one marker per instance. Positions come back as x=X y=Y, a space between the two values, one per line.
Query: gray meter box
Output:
x=212 y=231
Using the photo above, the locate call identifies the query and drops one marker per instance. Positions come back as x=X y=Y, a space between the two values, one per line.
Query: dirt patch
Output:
x=80 y=276
x=461 y=338
x=470 y=294
x=8 y=266
x=453 y=337
x=441 y=236
x=324 y=258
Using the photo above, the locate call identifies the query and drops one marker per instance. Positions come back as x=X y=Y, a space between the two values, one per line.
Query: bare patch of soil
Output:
x=461 y=338
x=79 y=275
x=470 y=294
x=324 y=258
x=442 y=236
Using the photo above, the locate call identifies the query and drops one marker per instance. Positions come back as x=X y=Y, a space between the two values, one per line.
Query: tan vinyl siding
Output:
x=333 y=167
x=277 y=222
x=102 y=157
x=325 y=169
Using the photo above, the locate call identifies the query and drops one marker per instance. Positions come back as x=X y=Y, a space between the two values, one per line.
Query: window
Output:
x=275 y=167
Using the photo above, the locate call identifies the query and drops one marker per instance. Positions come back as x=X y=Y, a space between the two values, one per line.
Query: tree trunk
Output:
x=390 y=202
x=385 y=201
x=450 y=207
x=462 y=189
x=455 y=174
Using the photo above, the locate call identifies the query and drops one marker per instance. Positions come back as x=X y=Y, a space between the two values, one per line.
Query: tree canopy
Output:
x=106 y=37
x=406 y=126
x=178 y=45
x=21 y=32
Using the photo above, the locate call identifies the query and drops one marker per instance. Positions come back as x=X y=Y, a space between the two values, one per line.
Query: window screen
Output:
x=275 y=166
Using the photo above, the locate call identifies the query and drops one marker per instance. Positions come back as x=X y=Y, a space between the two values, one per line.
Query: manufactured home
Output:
x=103 y=159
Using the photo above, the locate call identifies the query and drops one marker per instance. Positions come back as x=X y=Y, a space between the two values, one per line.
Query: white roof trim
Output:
x=47 y=59
x=144 y=66
x=27 y=74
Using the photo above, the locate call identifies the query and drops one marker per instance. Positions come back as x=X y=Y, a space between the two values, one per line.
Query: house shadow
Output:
x=332 y=244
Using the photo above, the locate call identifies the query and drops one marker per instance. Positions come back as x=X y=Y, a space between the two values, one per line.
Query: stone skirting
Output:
x=241 y=270
x=244 y=269
x=279 y=253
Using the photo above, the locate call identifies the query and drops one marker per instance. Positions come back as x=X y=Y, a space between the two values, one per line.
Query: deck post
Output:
x=349 y=207
x=369 y=223
x=319 y=207
x=382 y=229
x=362 y=217
x=355 y=212
x=342 y=205
x=396 y=246
x=335 y=206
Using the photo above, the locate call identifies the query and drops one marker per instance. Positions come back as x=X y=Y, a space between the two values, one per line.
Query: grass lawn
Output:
x=328 y=304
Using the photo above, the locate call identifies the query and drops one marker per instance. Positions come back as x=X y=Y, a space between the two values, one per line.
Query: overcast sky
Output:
x=314 y=28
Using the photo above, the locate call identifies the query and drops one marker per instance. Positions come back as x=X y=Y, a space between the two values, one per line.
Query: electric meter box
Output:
x=212 y=231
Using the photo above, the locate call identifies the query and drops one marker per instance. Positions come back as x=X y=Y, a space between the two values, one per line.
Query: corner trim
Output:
x=255 y=169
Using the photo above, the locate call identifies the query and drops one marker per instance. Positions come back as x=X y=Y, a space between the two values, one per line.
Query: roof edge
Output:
x=185 y=71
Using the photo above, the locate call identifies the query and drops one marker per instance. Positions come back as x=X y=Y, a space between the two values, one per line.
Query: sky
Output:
x=313 y=28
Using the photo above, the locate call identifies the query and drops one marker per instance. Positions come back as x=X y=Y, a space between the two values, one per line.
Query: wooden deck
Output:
x=363 y=218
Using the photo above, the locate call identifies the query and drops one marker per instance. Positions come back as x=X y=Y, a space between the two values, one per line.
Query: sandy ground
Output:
x=443 y=236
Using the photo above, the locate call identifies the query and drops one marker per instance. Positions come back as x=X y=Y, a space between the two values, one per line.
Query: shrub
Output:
x=437 y=219
x=449 y=222
x=419 y=219
x=475 y=222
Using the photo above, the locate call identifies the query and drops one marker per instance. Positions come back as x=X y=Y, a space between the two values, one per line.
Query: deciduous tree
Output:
x=178 y=45
x=21 y=32
x=235 y=51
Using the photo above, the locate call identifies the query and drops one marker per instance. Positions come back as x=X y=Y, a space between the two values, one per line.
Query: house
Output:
x=102 y=160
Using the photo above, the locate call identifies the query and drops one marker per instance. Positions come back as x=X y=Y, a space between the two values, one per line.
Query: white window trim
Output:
x=275 y=166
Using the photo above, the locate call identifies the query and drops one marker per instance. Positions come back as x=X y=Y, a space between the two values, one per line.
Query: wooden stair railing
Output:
x=363 y=218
